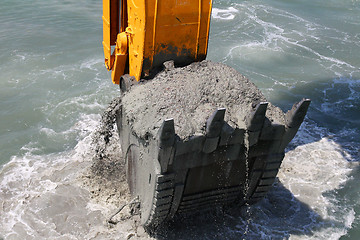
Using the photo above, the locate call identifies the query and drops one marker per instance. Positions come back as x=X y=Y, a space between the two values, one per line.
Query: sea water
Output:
x=54 y=86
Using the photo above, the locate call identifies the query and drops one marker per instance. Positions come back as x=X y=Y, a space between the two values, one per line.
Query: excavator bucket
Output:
x=225 y=164
x=157 y=31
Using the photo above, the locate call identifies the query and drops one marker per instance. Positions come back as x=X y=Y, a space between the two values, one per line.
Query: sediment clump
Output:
x=106 y=178
x=190 y=95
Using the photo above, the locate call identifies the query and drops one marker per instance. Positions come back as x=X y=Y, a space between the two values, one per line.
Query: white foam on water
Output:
x=91 y=63
x=224 y=14
x=313 y=172
x=37 y=191
x=21 y=56
x=313 y=169
x=42 y=196
x=265 y=34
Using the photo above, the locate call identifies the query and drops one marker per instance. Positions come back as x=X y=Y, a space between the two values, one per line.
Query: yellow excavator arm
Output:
x=146 y=33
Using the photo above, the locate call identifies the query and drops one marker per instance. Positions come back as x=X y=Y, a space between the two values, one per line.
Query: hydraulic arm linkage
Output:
x=140 y=35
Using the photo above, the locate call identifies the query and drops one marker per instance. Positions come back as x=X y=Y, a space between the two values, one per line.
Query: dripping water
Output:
x=247 y=186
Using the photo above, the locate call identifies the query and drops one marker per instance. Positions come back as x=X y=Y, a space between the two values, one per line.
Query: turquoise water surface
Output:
x=54 y=86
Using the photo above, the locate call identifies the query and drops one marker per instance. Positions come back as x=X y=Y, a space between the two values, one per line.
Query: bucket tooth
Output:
x=166 y=141
x=293 y=120
x=215 y=122
x=213 y=129
x=255 y=121
x=296 y=115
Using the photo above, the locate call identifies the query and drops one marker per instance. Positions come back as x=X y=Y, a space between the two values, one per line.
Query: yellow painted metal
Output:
x=157 y=31
x=136 y=35
x=174 y=30
x=106 y=33
x=120 y=53
x=110 y=29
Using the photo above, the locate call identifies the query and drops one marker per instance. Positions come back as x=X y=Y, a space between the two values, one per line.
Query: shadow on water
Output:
x=334 y=112
x=279 y=215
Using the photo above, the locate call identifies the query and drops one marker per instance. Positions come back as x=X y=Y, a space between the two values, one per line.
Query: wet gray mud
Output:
x=190 y=95
x=105 y=179
x=108 y=167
